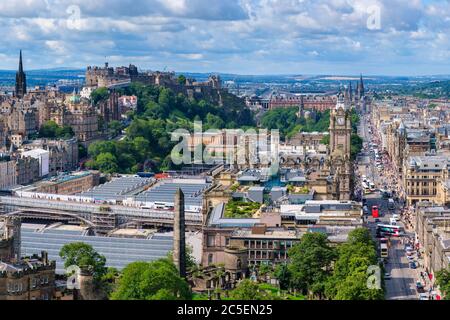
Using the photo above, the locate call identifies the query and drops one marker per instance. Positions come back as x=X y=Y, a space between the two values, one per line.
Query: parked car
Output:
x=387 y=276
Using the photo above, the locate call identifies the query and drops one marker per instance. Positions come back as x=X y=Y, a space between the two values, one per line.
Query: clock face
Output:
x=341 y=121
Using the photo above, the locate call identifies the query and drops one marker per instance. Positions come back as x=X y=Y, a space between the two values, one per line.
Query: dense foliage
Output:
x=84 y=256
x=99 y=94
x=322 y=271
x=158 y=280
x=52 y=130
x=443 y=281
x=350 y=276
x=160 y=111
x=310 y=264
x=287 y=121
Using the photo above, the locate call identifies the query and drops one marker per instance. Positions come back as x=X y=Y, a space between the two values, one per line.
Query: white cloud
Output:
x=269 y=36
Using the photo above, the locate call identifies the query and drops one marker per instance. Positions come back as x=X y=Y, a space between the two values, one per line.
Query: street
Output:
x=403 y=279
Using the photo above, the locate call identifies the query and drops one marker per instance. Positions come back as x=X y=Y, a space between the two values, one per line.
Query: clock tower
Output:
x=340 y=150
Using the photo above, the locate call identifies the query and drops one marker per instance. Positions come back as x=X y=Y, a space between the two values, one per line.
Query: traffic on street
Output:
x=391 y=223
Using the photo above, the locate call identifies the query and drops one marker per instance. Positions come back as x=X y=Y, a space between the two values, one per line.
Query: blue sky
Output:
x=383 y=37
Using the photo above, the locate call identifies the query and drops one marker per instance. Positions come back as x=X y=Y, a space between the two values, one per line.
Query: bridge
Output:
x=101 y=217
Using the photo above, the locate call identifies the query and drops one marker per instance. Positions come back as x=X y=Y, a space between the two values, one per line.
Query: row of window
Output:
x=17 y=286
x=418 y=184
x=425 y=192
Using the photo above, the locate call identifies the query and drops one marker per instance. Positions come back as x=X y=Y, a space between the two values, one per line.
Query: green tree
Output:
x=249 y=290
x=350 y=274
x=310 y=263
x=181 y=79
x=443 y=281
x=84 y=256
x=158 y=280
x=283 y=276
x=100 y=94
x=50 y=129
x=115 y=127
x=107 y=163
x=356 y=145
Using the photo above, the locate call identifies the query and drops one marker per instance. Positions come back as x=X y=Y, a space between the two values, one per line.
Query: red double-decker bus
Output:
x=375 y=212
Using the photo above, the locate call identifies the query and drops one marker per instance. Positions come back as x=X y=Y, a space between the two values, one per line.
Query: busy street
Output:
x=379 y=188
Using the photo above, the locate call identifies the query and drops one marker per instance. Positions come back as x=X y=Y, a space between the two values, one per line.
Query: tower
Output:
x=21 y=80
x=350 y=92
x=179 y=236
x=301 y=107
x=12 y=231
x=361 y=92
x=340 y=150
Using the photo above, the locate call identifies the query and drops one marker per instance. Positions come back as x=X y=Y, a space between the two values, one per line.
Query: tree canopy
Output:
x=84 y=256
x=160 y=111
x=310 y=263
x=158 y=280
x=443 y=281
x=52 y=130
x=99 y=94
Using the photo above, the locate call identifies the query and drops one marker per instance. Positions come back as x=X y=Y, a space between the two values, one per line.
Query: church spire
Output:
x=20 y=62
x=21 y=80
x=361 y=87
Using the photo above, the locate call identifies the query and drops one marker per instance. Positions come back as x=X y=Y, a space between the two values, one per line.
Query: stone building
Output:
x=8 y=177
x=27 y=170
x=63 y=154
x=69 y=184
x=425 y=179
x=433 y=233
x=23 y=278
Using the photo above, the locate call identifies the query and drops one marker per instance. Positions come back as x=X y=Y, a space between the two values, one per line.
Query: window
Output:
x=211 y=241
x=210 y=258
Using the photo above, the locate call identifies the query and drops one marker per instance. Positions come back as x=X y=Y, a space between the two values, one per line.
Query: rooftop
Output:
x=165 y=192
x=119 y=252
x=118 y=189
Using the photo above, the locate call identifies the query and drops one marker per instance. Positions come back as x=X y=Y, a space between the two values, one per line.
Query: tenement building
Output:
x=433 y=233
x=28 y=278
x=425 y=178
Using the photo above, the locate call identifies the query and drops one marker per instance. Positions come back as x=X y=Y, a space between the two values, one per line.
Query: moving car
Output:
x=387 y=276
x=412 y=265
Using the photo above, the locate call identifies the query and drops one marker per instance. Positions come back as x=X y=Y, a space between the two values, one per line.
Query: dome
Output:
x=74 y=98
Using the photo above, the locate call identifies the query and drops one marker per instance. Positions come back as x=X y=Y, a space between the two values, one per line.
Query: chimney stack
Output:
x=179 y=237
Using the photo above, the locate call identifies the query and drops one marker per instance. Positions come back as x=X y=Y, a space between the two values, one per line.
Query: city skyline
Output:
x=239 y=37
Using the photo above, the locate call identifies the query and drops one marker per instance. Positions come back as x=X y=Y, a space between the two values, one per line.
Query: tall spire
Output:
x=20 y=62
x=21 y=80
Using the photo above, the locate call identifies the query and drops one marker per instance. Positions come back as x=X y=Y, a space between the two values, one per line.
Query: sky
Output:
x=345 y=37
